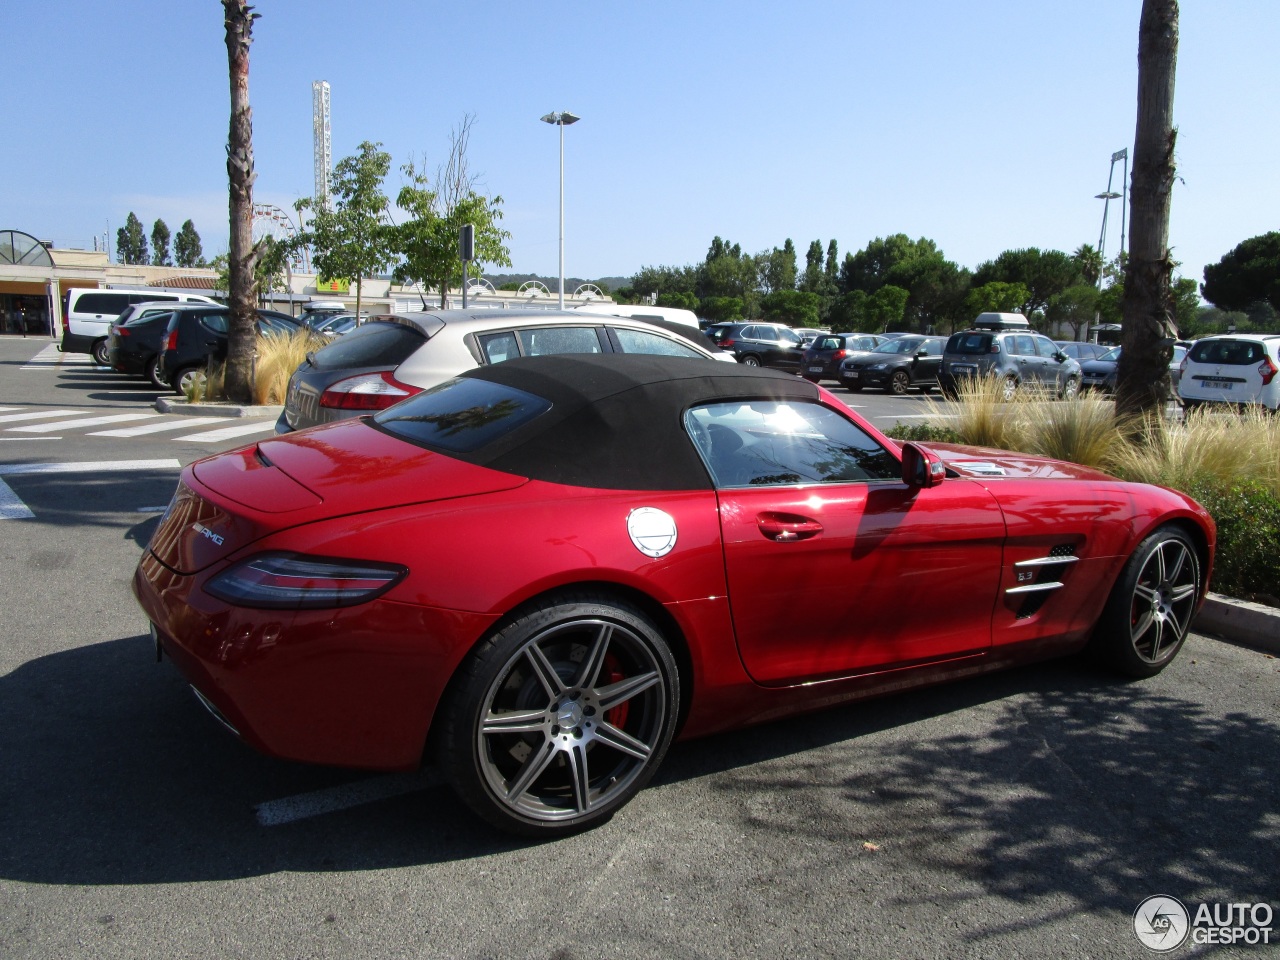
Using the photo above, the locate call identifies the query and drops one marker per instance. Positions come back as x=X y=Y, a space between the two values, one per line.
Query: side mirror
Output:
x=1060 y=357
x=921 y=467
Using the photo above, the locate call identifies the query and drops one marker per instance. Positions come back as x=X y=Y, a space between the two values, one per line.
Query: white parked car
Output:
x=1236 y=368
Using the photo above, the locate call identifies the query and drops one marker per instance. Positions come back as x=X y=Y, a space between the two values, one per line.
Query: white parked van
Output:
x=88 y=311
x=642 y=311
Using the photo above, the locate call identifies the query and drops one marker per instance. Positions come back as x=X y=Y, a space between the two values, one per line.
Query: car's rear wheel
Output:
x=185 y=379
x=810 y=377
x=899 y=382
x=560 y=717
x=153 y=373
x=100 y=352
x=1149 y=611
x=750 y=360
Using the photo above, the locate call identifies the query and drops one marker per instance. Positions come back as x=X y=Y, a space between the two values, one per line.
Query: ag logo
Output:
x=652 y=531
x=1161 y=923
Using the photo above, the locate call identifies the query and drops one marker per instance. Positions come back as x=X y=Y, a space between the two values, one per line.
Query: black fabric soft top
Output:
x=617 y=420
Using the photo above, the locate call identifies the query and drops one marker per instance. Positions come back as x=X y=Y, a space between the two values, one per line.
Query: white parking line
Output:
x=273 y=813
x=10 y=408
x=12 y=508
x=185 y=422
x=39 y=415
x=226 y=433
x=50 y=356
x=88 y=422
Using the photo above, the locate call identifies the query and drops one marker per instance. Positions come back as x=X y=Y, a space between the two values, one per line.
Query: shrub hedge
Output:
x=1247 y=561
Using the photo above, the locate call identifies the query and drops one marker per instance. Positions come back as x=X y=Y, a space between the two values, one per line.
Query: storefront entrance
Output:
x=24 y=315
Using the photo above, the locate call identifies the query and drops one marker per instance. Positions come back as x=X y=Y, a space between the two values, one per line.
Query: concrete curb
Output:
x=1240 y=622
x=181 y=407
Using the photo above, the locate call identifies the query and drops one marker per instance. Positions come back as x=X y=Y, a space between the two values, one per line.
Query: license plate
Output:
x=963 y=368
x=851 y=374
x=815 y=369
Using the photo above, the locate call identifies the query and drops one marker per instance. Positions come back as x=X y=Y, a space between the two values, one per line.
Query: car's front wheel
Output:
x=899 y=382
x=1149 y=611
x=560 y=717
x=1071 y=388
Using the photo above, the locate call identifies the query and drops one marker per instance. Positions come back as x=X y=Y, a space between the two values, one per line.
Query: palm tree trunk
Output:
x=242 y=328
x=1142 y=380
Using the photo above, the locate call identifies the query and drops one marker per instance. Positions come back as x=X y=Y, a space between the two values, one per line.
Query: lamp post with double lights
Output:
x=561 y=120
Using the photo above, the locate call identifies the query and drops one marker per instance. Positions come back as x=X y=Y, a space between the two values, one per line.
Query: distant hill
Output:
x=571 y=284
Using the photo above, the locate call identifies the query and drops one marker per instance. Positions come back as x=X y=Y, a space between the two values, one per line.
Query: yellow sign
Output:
x=333 y=286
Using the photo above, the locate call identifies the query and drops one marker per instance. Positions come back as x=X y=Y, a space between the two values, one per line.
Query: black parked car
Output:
x=823 y=355
x=896 y=366
x=760 y=344
x=197 y=335
x=134 y=347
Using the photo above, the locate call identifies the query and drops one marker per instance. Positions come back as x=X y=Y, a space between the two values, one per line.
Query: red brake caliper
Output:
x=618 y=715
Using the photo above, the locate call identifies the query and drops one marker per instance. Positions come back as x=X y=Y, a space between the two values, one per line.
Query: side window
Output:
x=783 y=442
x=148 y=297
x=642 y=341
x=555 y=340
x=103 y=303
x=788 y=335
x=751 y=333
x=933 y=348
x=499 y=346
x=1046 y=347
x=1023 y=345
x=217 y=322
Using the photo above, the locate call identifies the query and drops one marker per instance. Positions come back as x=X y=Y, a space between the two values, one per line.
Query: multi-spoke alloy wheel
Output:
x=1150 y=609
x=568 y=712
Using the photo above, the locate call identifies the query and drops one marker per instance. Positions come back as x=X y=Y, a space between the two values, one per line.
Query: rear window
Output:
x=969 y=343
x=374 y=344
x=462 y=415
x=1231 y=353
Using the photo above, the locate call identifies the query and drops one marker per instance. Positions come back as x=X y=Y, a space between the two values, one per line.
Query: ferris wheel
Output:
x=272 y=221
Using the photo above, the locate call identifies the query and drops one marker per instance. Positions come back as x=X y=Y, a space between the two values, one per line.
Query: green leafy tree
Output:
x=868 y=269
x=777 y=268
x=1043 y=273
x=1088 y=261
x=887 y=307
x=795 y=308
x=654 y=281
x=351 y=240
x=831 y=272
x=681 y=301
x=814 y=277
x=721 y=309
x=849 y=313
x=438 y=208
x=1249 y=274
x=1073 y=307
x=995 y=297
x=131 y=242
x=160 y=244
x=186 y=247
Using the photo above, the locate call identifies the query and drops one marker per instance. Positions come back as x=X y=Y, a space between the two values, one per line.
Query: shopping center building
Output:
x=35 y=278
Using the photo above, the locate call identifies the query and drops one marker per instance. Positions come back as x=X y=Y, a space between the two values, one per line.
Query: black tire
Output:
x=810 y=377
x=570 y=753
x=1149 y=612
x=927 y=388
x=153 y=373
x=1070 y=389
x=99 y=353
x=749 y=360
x=899 y=382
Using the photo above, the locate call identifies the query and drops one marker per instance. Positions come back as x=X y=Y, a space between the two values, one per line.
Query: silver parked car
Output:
x=393 y=356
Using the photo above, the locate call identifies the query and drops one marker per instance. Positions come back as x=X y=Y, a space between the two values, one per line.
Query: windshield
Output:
x=905 y=345
x=1113 y=355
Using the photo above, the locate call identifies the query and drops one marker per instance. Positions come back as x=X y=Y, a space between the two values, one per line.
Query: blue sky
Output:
x=985 y=125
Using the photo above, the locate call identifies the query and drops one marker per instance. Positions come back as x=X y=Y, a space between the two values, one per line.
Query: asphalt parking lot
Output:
x=1024 y=814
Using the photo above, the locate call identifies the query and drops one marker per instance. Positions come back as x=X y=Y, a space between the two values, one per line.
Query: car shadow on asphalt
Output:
x=1042 y=780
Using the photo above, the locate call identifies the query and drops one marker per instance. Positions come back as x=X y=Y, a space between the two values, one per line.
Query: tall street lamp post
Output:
x=561 y=120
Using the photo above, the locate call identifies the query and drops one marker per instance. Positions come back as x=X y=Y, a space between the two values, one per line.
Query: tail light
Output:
x=726 y=343
x=1182 y=367
x=171 y=341
x=285 y=581
x=120 y=331
x=1266 y=369
x=839 y=354
x=995 y=346
x=368 y=391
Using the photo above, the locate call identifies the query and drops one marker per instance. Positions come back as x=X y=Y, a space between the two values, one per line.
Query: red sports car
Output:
x=540 y=572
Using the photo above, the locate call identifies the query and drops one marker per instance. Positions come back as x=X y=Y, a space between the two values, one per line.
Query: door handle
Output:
x=785 y=527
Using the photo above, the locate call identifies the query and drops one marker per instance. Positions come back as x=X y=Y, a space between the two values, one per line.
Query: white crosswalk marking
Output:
x=88 y=422
x=12 y=508
x=40 y=415
x=226 y=433
x=9 y=408
x=184 y=424
x=50 y=356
